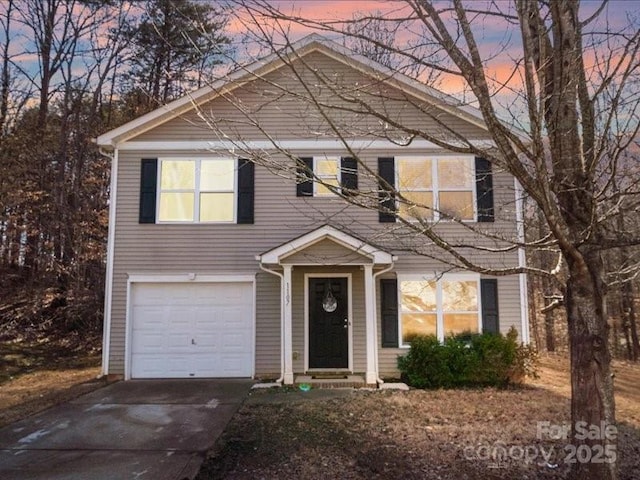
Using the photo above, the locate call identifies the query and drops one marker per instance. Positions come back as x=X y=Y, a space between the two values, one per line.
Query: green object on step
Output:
x=304 y=387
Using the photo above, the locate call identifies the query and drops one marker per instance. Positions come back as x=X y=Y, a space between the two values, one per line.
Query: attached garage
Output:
x=191 y=329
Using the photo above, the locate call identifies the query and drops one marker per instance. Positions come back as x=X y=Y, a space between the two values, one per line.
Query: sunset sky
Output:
x=498 y=40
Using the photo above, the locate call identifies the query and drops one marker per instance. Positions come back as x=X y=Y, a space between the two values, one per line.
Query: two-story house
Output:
x=231 y=254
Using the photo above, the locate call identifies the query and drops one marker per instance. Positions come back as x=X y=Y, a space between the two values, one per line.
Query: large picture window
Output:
x=434 y=188
x=438 y=306
x=197 y=190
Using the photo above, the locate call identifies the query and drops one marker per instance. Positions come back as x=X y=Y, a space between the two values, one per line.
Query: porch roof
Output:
x=278 y=254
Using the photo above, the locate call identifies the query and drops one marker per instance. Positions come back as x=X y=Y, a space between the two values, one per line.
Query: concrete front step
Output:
x=332 y=381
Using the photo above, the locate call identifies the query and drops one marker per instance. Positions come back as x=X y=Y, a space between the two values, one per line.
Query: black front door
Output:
x=328 y=323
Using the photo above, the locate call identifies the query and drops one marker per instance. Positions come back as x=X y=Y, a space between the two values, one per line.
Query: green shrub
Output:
x=426 y=364
x=467 y=360
x=496 y=354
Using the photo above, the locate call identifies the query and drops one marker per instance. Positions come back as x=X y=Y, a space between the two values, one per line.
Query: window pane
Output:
x=460 y=322
x=323 y=189
x=217 y=174
x=414 y=173
x=327 y=167
x=455 y=173
x=457 y=204
x=216 y=207
x=416 y=205
x=176 y=207
x=418 y=296
x=178 y=175
x=417 y=324
x=460 y=296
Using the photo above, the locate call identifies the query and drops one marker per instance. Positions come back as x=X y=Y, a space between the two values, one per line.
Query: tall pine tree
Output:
x=174 y=46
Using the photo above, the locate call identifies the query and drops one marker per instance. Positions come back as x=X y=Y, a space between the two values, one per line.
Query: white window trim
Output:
x=318 y=177
x=435 y=187
x=196 y=191
x=439 y=278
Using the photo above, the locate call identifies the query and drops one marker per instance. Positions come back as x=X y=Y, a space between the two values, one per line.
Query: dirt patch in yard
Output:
x=443 y=434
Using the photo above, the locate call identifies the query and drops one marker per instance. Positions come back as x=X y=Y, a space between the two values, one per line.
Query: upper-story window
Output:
x=199 y=191
x=327 y=170
x=434 y=188
x=326 y=175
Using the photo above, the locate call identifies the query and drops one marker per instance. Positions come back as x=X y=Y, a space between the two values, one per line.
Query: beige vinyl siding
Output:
x=326 y=252
x=273 y=103
x=508 y=311
x=268 y=335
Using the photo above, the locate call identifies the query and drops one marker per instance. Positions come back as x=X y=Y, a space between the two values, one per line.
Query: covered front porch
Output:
x=329 y=331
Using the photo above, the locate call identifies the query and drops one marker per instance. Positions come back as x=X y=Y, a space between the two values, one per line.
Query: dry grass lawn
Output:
x=444 y=434
x=34 y=377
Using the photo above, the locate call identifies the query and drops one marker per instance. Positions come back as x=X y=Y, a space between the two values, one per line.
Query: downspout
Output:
x=108 y=286
x=278 y=274
x=375 y=312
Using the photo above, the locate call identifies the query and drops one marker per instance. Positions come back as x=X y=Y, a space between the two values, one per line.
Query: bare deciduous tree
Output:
x=572 y=92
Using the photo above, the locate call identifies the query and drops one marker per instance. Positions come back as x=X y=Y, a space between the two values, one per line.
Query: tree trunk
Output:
x=629 y=315
x=533 y=287
x=549 y=321
x=592 y=402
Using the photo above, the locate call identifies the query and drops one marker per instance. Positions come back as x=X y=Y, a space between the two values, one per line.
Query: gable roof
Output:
x=311 y=43
x=299 y=244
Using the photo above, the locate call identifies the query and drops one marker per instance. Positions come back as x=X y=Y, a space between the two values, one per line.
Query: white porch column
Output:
x=371 y=375
x=288 y=329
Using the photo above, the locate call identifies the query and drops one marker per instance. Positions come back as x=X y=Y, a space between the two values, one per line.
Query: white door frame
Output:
x=348 y=276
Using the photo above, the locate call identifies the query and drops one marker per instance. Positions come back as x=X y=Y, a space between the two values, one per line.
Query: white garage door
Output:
x=182 y=330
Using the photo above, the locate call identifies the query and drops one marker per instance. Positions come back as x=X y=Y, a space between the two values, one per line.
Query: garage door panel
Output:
x=148 y=343
x=233 y=343
x=192 y=330
x=149 y=317
x=208 y=342
x=221 y=366
x=180 y=341
x=160 y=366
x=205 y=321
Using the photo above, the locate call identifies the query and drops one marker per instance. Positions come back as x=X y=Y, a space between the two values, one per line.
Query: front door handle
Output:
x=346 y=323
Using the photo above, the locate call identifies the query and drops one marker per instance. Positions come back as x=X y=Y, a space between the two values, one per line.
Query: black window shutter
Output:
x=246 y=170
x=389 y=312
x=304 y=171
x=489 y=296
x=484 y=190
x=387 y=174
x=148 y=185
x=349 y=175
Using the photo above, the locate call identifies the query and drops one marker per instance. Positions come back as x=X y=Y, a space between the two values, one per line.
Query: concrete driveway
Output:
x=142 y=429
